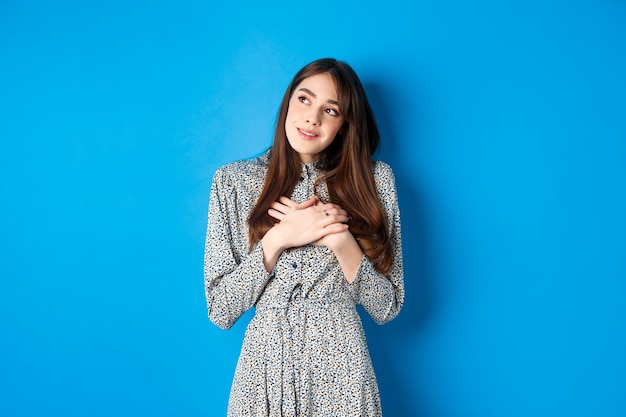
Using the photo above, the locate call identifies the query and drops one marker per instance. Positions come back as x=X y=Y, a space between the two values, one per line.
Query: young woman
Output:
x=304 y=233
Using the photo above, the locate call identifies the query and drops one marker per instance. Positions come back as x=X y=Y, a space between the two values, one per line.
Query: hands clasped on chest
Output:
x=311 y=222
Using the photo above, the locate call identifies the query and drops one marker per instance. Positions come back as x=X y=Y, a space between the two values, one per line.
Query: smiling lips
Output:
x=307 y=134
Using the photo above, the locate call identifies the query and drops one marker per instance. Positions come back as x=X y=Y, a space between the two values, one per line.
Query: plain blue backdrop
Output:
x=505 y=123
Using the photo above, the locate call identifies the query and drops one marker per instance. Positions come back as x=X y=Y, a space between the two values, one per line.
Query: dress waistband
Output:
x=303 y=302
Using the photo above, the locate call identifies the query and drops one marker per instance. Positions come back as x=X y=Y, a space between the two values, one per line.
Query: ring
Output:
x=325 y=212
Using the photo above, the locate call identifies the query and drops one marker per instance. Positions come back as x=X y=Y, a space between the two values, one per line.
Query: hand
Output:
x=346 y=250
x=306 y=222
x=335 y=241
x=315 y=223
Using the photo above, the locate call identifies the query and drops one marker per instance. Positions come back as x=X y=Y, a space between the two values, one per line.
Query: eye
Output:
x=303 y=99
x=332 y=111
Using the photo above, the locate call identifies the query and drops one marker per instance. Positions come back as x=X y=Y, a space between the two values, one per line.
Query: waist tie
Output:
x=296 y=300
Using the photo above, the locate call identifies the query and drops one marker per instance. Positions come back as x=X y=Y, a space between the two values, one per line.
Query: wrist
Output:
x=349 y=255
x=271 y=249
x=347 y=246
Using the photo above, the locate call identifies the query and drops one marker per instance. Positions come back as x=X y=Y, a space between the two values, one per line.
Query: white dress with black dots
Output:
x=304 y=352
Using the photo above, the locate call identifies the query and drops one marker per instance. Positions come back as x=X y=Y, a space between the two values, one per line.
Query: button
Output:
x=294 y=265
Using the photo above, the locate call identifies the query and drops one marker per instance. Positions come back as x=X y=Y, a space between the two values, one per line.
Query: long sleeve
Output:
x=233 y=277
x=381 y=295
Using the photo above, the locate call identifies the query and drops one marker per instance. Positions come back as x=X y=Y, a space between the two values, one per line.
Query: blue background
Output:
x=505 y=123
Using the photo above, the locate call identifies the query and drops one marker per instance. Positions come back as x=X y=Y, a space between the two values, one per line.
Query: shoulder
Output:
x=383 y=174
x=385 y=184
x=386 y=187
x=251 y=165
x=240 y=180
x=246 y=170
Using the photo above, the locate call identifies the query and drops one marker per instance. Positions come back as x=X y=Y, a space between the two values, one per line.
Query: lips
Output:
x=307 y=134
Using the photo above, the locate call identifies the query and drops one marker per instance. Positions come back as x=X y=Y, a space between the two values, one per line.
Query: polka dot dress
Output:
x=304 y=352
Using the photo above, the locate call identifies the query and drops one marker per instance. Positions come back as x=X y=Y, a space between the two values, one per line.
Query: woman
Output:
x=304 y=233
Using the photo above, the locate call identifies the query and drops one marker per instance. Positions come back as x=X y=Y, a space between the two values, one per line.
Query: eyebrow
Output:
x=306 y=90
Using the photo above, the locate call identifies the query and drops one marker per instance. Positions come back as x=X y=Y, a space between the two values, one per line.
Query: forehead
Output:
x=322 y=85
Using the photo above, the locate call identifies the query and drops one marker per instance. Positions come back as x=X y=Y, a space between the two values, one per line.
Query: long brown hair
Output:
x=346 y=163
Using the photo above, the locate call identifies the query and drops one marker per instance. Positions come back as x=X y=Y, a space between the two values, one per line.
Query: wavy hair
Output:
x=346 y=164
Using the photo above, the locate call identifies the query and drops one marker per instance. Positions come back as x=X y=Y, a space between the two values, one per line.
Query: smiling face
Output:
x=313 y=117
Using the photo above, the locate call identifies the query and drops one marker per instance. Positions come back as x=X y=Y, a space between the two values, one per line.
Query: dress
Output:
x=304 y=352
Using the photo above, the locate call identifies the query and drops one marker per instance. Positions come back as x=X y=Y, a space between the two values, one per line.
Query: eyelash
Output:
x=329 y=111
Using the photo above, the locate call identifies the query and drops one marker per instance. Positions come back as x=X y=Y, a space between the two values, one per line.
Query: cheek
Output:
x=292 y=116
x=292 y=110
x=339 y=128
x=289 y=118
x=290 y=121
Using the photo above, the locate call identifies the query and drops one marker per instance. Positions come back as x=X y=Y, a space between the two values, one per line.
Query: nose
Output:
x=313 y=117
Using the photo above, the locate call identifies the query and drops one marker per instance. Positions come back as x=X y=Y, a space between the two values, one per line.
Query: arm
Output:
x=347 y=251
x=382 y=296
x=232 y=283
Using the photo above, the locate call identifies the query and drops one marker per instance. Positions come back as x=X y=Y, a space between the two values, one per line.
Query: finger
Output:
x=287 y=202
x=335 y=228
x=332 y=206
x=335 y=212
x=275 y=214
x=330 y=220
x=279 y=207
x=308 y=203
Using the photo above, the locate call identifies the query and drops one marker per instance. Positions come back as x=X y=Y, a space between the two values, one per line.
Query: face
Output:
x=313 y=117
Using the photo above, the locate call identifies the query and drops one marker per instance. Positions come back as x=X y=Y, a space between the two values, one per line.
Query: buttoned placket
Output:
x=295 y=310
